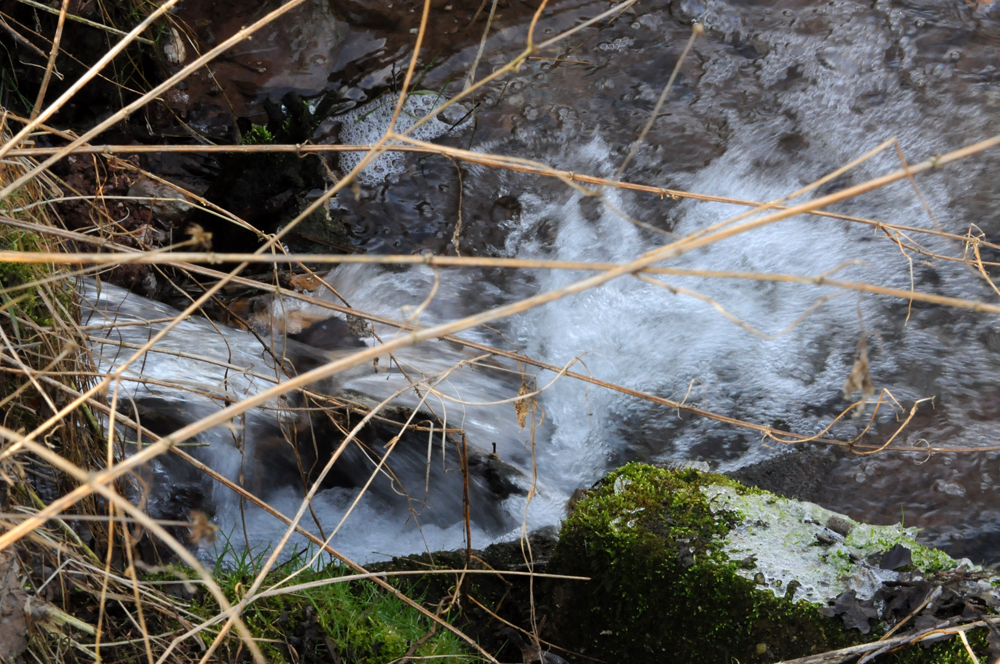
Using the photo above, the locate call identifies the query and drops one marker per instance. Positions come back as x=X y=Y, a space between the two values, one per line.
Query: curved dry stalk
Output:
x=482 y=42
x=84 y=21
x=776 y=204
x=52 y=60
x=677 y=290
x=135 y=199
x=287 y=590
x=490 y=160
x=526 y=396
x=850 y=652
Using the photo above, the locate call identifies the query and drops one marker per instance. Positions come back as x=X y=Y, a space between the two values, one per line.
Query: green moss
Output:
x=16 y=291
x=663 y=588
x=258 y=135
x=882 y=538
x=949 y=651
x=357 y=618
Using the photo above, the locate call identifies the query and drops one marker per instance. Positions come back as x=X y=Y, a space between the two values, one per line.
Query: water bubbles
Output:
x=619 y=45
x=366 y=124
x=940 y=71
x=949 y=488
x=425 y=209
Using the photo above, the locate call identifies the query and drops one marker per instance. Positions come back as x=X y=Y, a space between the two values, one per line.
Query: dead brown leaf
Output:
x=523 y=406
x=860 y=378
x=199 y=236
x=201 y=527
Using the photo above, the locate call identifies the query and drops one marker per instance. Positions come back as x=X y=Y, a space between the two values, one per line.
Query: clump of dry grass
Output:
x=59 y=569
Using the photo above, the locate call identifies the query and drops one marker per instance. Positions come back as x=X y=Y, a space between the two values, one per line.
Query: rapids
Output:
x=775 y=96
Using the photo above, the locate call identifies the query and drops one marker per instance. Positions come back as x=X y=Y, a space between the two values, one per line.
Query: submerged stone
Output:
x=691 y=566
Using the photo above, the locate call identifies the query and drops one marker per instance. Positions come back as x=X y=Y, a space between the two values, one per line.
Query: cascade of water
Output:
x=773 y=100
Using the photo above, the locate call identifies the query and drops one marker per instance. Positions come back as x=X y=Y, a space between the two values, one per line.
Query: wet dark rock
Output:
x=530 y=652
x=651 y=582
x=276 y=462
x=502 y=478
x=293 y=454
x=896 y=557
x=839 y=525
x=266 y=190
x=798 y=475
x=168 y=206
x=654 y=593
x=926 y=623
x=330 y=334
x=855 y=613
x=505 y=210
x=513 y=555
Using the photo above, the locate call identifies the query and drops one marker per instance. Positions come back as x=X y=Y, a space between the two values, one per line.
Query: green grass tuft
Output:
x=361 y=621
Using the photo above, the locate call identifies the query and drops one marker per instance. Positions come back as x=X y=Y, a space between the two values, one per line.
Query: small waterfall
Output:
x=771 y=101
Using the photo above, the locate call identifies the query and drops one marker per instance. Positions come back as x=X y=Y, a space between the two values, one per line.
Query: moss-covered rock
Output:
x=689 y=566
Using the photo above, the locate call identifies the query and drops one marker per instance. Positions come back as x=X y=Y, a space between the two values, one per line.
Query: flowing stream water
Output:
x=773 y=97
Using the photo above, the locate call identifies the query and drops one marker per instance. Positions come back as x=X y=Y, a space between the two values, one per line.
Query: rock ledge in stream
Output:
x=689 y=566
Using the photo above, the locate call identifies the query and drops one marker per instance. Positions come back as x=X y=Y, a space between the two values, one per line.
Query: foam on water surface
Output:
x=367 y=124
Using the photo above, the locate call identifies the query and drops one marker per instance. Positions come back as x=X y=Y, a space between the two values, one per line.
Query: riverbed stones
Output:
x=692 y=566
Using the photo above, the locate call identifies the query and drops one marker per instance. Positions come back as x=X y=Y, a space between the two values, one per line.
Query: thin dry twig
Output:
x=50 y=67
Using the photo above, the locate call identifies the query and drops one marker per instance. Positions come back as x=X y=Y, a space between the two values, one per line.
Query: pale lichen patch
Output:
x=788 y=542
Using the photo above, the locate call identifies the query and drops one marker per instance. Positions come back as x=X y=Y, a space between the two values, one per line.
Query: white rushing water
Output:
x=833 y=90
